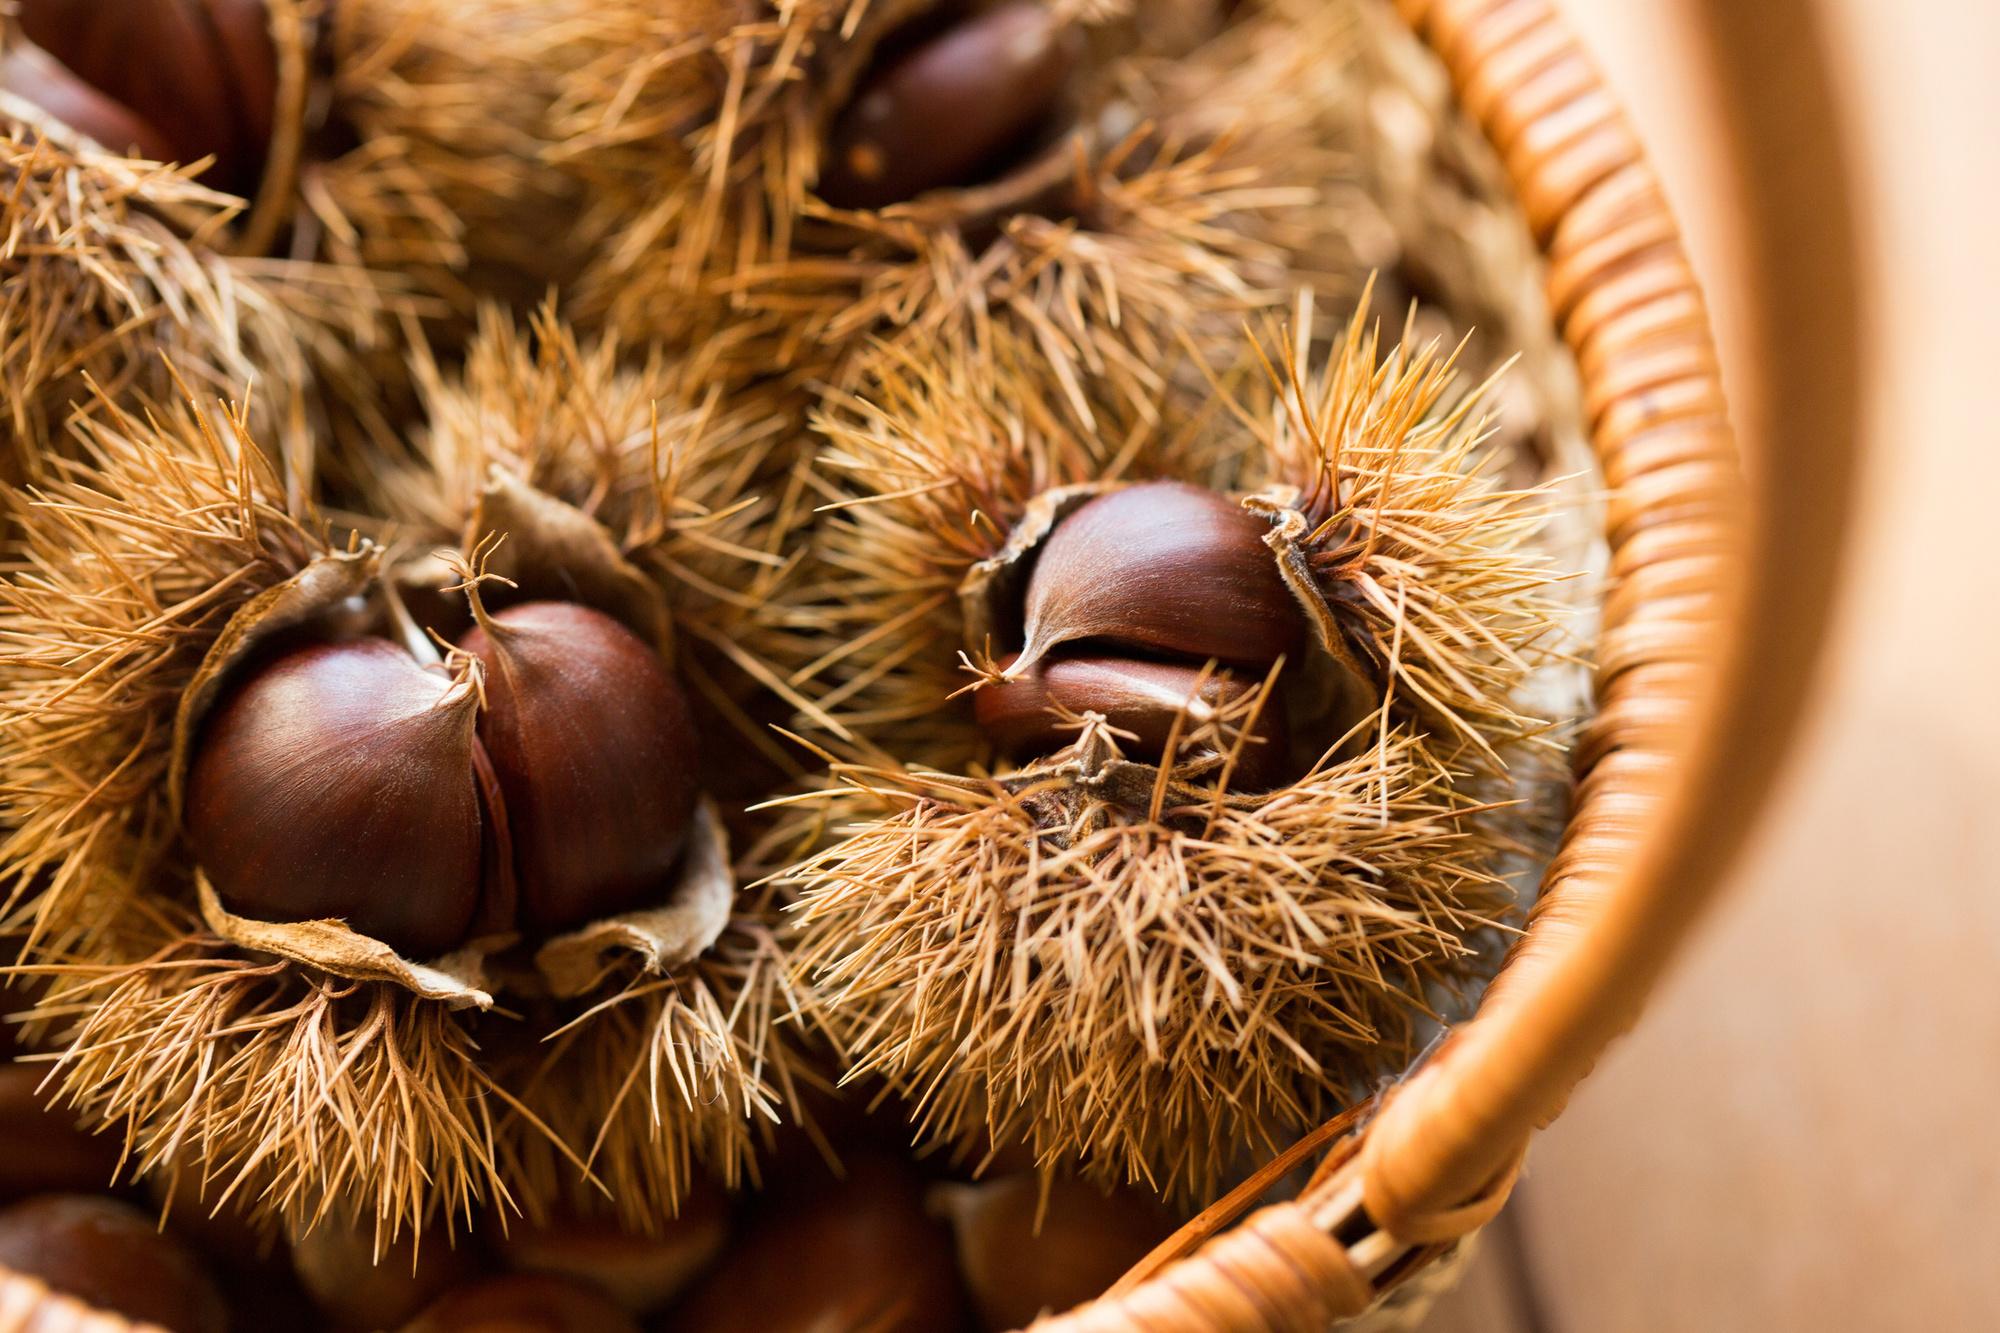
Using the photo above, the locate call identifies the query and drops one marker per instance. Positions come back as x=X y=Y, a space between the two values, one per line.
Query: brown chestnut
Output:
x=224 y=1236
x=338 y=780
x=594 y=746
x=953 y=105
x=641 y=1273
x=42 y=1148
x=523 y=1303
x=855 y=1254
x=249 y=1262
x=1139 y=697
x=1024 y=1255
x=1165 y=567
x=34 y=76
x=358 y=1290
x=204 y=73
x=110 y=1255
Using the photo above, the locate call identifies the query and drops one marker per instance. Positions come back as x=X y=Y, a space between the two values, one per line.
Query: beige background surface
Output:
x=1803 y=1135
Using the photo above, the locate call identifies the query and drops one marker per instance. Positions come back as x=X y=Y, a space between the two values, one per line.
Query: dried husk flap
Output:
x=315 y=592
x=458 y=979
x=1075 y=957
x=662 y=938
x=554 y=549
x=1346 y=688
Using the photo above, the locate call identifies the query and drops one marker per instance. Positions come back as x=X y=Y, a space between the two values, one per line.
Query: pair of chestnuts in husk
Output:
x=1158 y=606
x=175 y=80
x=548 y=782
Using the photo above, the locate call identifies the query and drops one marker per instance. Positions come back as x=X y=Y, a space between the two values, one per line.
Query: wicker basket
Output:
x=1404 y=1181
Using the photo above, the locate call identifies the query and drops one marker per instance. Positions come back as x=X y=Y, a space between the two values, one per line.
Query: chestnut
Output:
x=523 y=1303
x=340 y=780
x=224 y=1236
x=249 y=1262
x=1167 y=568
x=1024 y=1254
x=359 y=1290
x=1141 y=698
x=42 y=1148
x=593 y=744
x=110 y=1255
x=855 y=1254
x=641 y=1273
x=203 y=73
x=955 y=103
x=35 y=77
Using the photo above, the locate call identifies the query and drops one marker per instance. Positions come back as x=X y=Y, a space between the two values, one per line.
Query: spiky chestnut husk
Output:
x=1103 y=965
x=117 y=295
x=1019 y=994
x=1110 y=241
x=657 y=1082
x=952 y=474
x=450 y=167
x=687 y=487
x=132 y=563
x=298 y=1096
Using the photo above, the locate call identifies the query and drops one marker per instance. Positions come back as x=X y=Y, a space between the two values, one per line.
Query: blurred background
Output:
x=1801 y=1136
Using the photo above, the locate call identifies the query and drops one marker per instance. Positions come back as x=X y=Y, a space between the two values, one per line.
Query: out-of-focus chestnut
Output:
x=641 y=1273
x=34 y=76
x=594 y=746
x=42 y=1149
x=340 y=780
x=956 y=103
x=358 y=1291
x=204 y=73
x=523 y=1303
x=1023 y=1258
x=110 y=1255
x=855 y=1254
